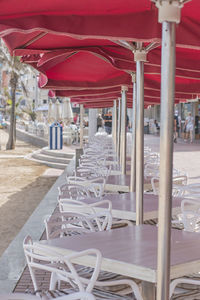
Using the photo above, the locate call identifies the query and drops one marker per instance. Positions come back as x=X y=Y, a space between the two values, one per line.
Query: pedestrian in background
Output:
x=189 y=126
x=108 y=122
x=99 y=122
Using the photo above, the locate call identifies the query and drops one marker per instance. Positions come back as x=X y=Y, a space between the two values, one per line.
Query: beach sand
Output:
x=23 y=184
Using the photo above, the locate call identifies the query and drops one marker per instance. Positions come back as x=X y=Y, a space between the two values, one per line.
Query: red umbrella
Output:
x=187 y=64
x=116 y=91
x=120 y=19
x=84 y=70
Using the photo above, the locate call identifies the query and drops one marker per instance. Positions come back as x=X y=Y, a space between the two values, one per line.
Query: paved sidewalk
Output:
x=186 y=156
x=186 y=159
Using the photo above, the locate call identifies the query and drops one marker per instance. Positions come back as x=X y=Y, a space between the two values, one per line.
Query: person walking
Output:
x=99 y=122
x=108 y=122
x=176 y=127
x=189 y=125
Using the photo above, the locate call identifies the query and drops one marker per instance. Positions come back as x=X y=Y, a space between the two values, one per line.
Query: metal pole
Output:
x=119 y=129
x=166 y=158
x=139 y=141
x=81 y=125
x=123 y=130
x=133 y=153
x=92 y=123
x=114 y=123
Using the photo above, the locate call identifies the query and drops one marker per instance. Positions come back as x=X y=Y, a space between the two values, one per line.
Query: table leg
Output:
x=148 y=290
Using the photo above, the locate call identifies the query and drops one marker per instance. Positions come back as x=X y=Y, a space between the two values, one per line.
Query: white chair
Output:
x=100 y=161
x=178 y=183
x=181 y=293
x=151 y=170
x=74 y=296
x=71 y=205
x=68 y=223
x=151 y=158
x=191 y=190
x=74 y=191
x=94 y=185
x=62 y=269
x=190 y=215
x=93 y=171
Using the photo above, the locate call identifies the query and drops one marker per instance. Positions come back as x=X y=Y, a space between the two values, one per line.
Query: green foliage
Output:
x=15 y=70
x=29 y=110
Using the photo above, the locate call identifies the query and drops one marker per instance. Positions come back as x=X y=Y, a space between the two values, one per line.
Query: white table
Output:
x=132 y=251
x=124 y=205
x=121 y=183
x=115 y=170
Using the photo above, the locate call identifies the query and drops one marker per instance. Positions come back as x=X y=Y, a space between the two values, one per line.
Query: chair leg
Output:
x=32 y=273
x=53 y=282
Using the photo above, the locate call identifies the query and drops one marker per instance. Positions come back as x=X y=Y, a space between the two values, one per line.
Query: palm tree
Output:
x=15 y=70
x=30 y=111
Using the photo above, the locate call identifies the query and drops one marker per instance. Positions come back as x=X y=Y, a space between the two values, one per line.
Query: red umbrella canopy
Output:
x=87 y=69
x=90 y=18
x=81 y=70
x=187 y=62
x=116 y=93
x=109 y=101
x=116 y=19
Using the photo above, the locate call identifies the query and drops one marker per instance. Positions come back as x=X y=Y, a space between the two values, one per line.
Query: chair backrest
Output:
x=67 y=224
x=71 y=205
x=73 y=191
x=190 y=209
x=178 y=183
x=99 y=214
x=98 y=161
x=87 y=171
x=151 y=170
x=61 y=267
x=192 y=189
x=152 y=158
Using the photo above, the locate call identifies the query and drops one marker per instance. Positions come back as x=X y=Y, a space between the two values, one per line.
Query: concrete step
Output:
x=52 y=159
x=57 y=153
x=49 y=164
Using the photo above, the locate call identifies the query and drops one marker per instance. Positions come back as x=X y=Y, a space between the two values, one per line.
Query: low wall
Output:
x=30 y=138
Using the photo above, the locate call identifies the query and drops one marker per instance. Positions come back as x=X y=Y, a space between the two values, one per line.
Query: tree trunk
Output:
x=11 y=140
x=14 y=130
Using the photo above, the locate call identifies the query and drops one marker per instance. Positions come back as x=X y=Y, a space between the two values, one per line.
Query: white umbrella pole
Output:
x=169 y=14
x=133 y=153
x=114 y=123
x=123 y=130
x=139 y=57
x=119 y=129
x=81 y=125
x=92 y=123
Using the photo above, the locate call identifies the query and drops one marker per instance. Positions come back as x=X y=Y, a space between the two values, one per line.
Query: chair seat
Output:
x=98 y=293
x=107 y=295
x=189 y=294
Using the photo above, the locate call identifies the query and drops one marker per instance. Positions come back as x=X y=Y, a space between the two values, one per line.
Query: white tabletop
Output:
x=121 y=183
x=132 y=251
x=118 y=183
x=124 y=205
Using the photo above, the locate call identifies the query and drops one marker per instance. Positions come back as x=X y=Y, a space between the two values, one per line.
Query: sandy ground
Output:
x=23 y=184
